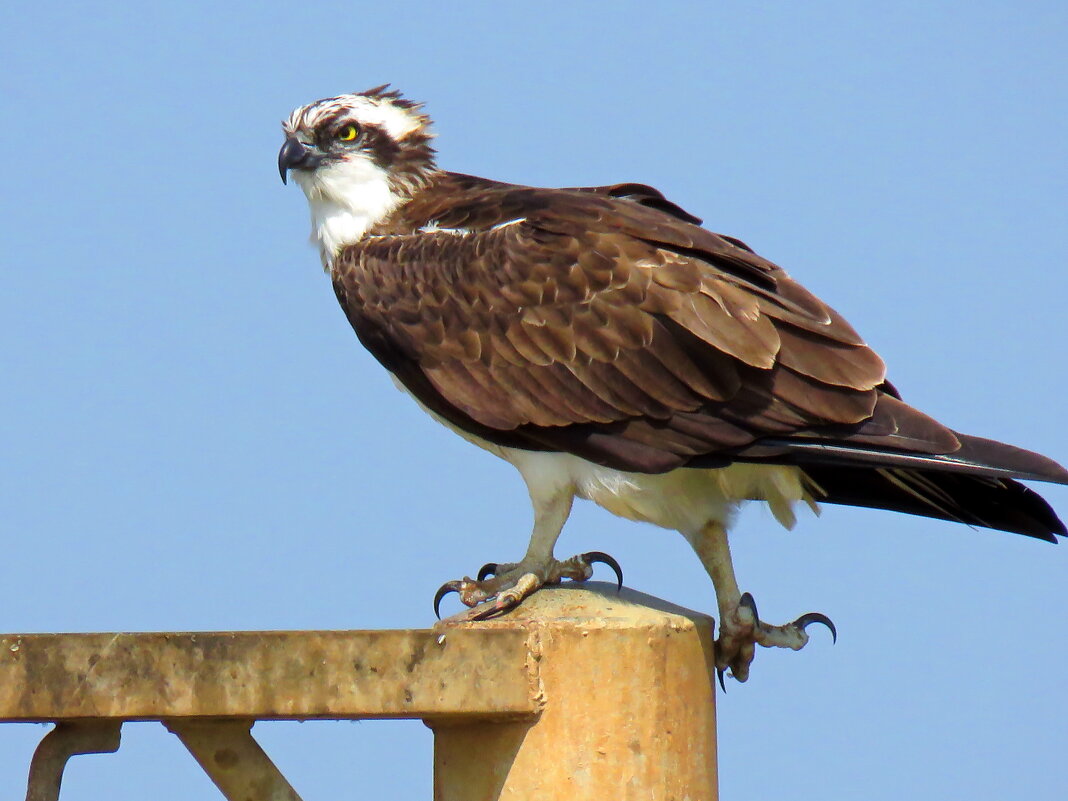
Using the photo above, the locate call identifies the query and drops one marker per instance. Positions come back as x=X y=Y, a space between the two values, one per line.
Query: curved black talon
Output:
x=747 y=600
x=487 y=570
x=492 y=609
x=443 y=590
x=719 y=675
x=593 y=557
x=809 y=618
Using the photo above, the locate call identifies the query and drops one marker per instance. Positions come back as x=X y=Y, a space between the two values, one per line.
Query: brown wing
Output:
x=596 y=311
x=603 y=324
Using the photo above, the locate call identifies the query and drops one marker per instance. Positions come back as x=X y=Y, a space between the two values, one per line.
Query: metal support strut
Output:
x=67 y=739
x=228 y=753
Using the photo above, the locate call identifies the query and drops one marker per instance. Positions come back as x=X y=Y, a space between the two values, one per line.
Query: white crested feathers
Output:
x=396 y=120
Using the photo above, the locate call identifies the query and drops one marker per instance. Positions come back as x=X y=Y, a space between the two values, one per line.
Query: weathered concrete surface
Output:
x=267 y=675
x=629 y=706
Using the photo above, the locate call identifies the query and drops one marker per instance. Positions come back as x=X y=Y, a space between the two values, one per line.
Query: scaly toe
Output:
x=508 y=599
x=741 y=629
x=471 y=592
x=506 y=585
x=734 y=646
x=793 y=635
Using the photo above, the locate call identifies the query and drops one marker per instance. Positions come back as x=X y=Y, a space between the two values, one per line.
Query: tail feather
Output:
x=904 y=461
x=976 y=500
x=976 y=456
x=1022 y=463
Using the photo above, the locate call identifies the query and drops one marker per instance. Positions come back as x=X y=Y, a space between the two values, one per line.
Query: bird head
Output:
x=357 y=157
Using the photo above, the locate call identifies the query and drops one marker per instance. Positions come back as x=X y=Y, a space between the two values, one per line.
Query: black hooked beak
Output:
x=295 y=155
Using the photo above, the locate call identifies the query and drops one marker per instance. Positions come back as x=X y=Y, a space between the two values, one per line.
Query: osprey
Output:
x=612 y=349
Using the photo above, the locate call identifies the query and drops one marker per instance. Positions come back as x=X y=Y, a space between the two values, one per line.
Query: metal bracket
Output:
x=228 y=753
x=67 y=739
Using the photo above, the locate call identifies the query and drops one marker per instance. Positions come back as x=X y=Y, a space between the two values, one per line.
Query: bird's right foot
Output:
x=511 y=583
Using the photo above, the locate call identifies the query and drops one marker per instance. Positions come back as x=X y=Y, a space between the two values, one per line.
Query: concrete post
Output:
x=627 y=695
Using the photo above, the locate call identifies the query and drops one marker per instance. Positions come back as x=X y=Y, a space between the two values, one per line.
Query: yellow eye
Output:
x=348 y=133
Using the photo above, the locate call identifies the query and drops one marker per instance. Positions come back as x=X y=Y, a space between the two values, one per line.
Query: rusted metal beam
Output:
x=629 y=706
x=338 y=675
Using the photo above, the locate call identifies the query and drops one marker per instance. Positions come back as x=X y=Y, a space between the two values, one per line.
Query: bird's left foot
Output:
x=741 y=629
x=511 y=583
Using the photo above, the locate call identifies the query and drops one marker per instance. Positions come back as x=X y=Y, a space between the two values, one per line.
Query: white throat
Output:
x=346 y=199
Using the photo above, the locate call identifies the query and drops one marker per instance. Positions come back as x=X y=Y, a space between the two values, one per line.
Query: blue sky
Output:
x=192 y=437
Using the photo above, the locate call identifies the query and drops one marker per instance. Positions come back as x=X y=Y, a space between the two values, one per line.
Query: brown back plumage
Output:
x=605 y=323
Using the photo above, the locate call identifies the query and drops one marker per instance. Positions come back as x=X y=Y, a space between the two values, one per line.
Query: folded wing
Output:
x=606 y=323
